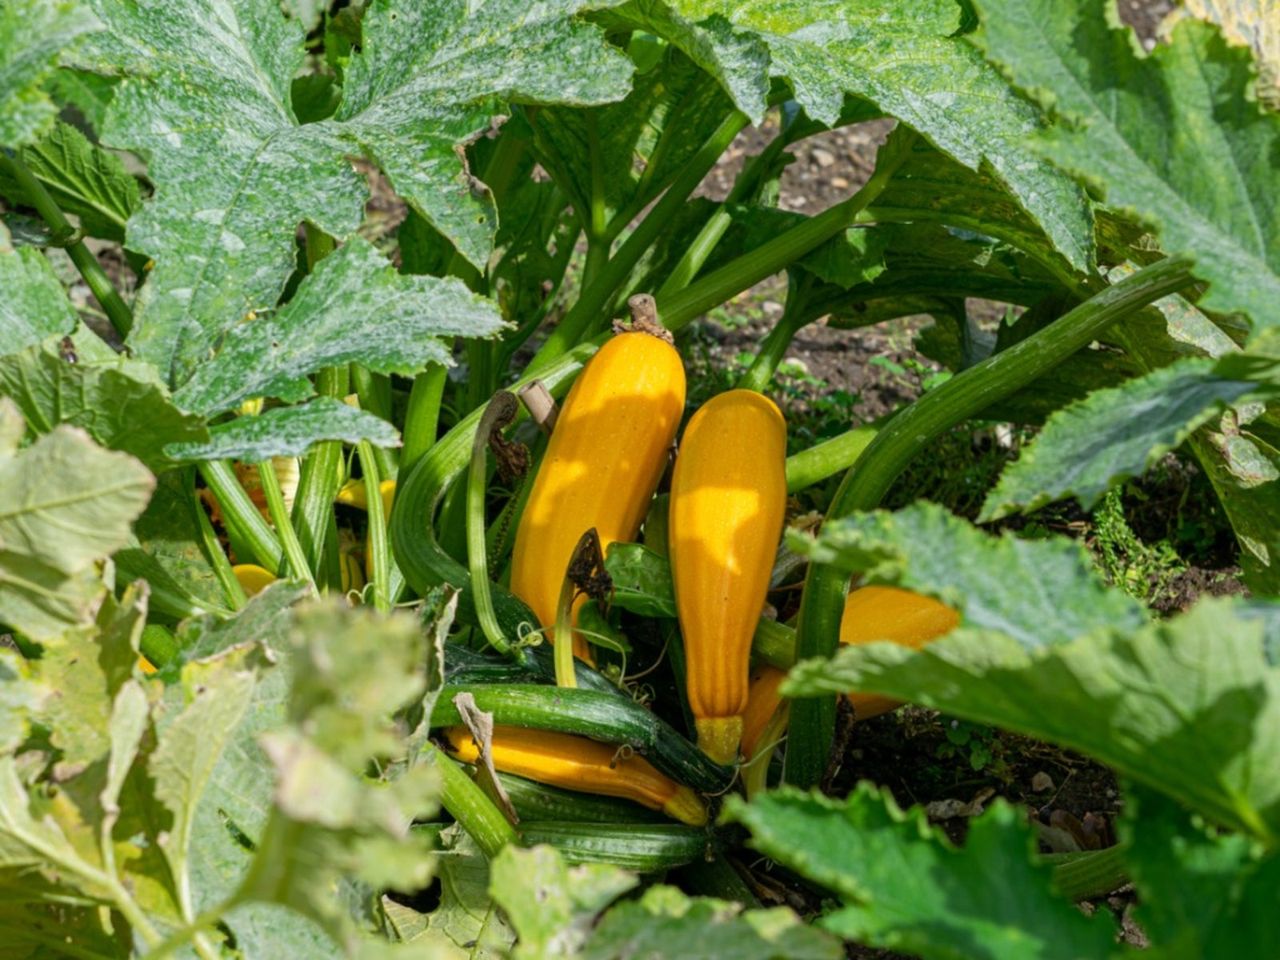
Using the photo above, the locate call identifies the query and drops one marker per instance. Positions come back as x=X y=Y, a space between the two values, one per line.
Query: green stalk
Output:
x=745 y=186
x=677 y=307
x=374 y=391
x=774 y=346
x=563 y=637
x=495 y=413
x=298 y=567
x=422 y=420
x=569 y=331
x=774 y=643
x=467 y=804
x=212 y=549
x=319 y=479
x=828 y=458
x=240 y=515
x=913 y=430
x=378 y=547
x=113 y=305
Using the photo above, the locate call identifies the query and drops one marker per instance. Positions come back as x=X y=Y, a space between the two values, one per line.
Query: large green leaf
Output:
x=1111 y=435
x=904 y=887
x=84 y=179
x=1172 y=136
x=903 y=56
x=428 y=78
x=288 y=432
x=34 y=305
x=32 y=34
x=1203 y=893
x=1038 y=592
x=1189 y=707
x=355 y=308
x=117 y=401
x=65 y=505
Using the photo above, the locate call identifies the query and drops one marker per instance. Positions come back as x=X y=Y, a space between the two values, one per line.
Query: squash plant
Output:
x=217 y=739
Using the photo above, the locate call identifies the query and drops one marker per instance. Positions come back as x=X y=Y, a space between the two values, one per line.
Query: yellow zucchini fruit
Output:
x=763 y=702
x=728 y=504
x=891 y=613
x=870 y=614
x=602 y=465
x=253 y=578
x=587 y=766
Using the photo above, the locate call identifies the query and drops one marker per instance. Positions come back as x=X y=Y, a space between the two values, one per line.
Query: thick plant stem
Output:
x=565 y=675
x=297 y=560
x=775 y=344
x=422 y=420
x=718 y=286
x=380 y=551
x=113 y=304
x=1079 y=876
x=212 y=550
x=613 y=274
x=828 y=458
x=241 y=515
x=467 y=804
x=704 y=244
x=912 y=431
x=499 y=410
x=374 y=392
x=319 y=477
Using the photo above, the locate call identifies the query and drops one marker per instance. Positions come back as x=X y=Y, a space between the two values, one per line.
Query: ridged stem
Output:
x=379 y=548
x=422 y=420
x=288 y=537
x=467 y=804
x=912 y=431
x=240 y=515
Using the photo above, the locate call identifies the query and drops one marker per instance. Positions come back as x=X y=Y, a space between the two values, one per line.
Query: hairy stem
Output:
x=379 y=548
x=240 y=515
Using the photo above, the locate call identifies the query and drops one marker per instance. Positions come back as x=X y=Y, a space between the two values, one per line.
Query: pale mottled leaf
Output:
x=233 y=171
x=355 y=308
x=904 y=887
x=1189 y=707
x=20 y=696
x=288 y=432
x=1111 y=435
x=1039 y=592
x=1172 y=136
x=1251 y=23
x=32 y=34
x=34 y=305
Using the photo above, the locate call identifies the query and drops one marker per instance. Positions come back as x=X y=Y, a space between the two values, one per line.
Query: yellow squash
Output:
x=728 y=503
x=588 y=766
x=603 y=462
x=891 y=613
x=870 y=614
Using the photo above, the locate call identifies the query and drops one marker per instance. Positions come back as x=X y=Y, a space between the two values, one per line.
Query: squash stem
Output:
x=569 y=331
x=319 y=479
x=774 y=346
x=212 y=549
x=297 y=560
x=374 y=391
x=422 y=420
x=95 y=277
x=240 y=515
x=379 y=551
x=911 y=431
x=678 y=307
x=497 y=411
x=828 y=458
x=563 y=635
x=1079 y=876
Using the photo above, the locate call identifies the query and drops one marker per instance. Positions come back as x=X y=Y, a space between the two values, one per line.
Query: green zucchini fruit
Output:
x=642 y=847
